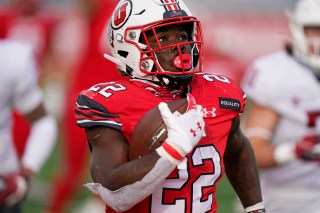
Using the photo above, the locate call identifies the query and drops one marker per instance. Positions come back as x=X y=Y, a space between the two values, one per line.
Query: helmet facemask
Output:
x=131 y=26
x=178 y=71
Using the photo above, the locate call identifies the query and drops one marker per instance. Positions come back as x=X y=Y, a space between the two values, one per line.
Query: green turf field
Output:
x=39 y=191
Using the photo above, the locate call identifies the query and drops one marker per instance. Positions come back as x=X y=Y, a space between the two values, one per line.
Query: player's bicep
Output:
x=235 y=139
x=109 y=150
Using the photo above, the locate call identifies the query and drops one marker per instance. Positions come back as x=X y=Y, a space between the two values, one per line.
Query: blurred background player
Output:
x=29 y=21
x=19 y=90
x=284 y=123
x=91 y=67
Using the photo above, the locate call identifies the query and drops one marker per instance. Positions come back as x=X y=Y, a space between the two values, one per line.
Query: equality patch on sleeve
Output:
x=229 y=103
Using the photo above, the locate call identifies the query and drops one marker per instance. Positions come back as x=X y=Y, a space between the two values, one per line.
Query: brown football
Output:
x=151 y=130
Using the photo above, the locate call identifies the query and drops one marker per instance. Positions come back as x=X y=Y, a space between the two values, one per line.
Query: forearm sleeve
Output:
x=127 y=196
x=40 y=143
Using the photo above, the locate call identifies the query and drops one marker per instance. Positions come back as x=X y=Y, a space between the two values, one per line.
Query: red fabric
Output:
x=21 y=130
x=93 y=69
x=306 y=148
x=35 y=29
x=222 y=100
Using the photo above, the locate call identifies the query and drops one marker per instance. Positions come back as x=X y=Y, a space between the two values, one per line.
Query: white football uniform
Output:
x=281 y=83
x=19 y=90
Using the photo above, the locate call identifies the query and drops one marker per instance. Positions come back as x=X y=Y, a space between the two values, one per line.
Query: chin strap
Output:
x=114 y=60
x=121 y=65
x=175 y=82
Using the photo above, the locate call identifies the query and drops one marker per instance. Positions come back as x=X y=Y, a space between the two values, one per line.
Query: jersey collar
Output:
x=157 y=90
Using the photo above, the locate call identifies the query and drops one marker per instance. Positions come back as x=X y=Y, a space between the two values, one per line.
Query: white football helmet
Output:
x=130 y=22
x=306 y=13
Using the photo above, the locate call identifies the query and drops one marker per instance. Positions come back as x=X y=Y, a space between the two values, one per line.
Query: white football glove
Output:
x=184 y=131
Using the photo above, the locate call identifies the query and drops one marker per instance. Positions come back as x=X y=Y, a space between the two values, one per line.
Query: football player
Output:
x=284 y=123
x=19 y=90
x=88 y=70
x=159 y=45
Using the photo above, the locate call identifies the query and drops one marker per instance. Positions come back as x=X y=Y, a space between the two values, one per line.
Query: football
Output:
x=151 y=130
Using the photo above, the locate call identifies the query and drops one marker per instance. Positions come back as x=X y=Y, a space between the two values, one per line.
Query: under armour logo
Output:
x=193 y=131
x=209 y=113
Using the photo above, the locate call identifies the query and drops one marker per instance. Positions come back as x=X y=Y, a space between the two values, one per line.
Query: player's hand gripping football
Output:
x=308 y=148
x=184 y=132
x=13 y=189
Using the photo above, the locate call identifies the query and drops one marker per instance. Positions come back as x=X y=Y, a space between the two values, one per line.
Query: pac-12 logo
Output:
x=121 y=14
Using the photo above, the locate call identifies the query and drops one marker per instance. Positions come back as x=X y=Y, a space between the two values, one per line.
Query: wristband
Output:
x=258 y=132
x=40 y=143
x=170 y=153
x=257 y=208
x=284 y=153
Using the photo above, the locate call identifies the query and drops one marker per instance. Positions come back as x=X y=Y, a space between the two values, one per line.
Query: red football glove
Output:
x=308 y=148
x=13 y=188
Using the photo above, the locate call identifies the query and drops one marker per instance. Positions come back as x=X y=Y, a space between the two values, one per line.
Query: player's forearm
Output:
x=242 y=172
x=127 y=196
x=40 y=144
x=126 y=174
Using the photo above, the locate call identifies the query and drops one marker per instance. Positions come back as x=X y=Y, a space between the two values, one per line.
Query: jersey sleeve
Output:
x=89 y=112
x=233 y=100
x=222 y=98
x=240 y=95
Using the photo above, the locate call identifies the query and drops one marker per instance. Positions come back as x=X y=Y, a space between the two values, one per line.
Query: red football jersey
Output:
x=121 y=104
